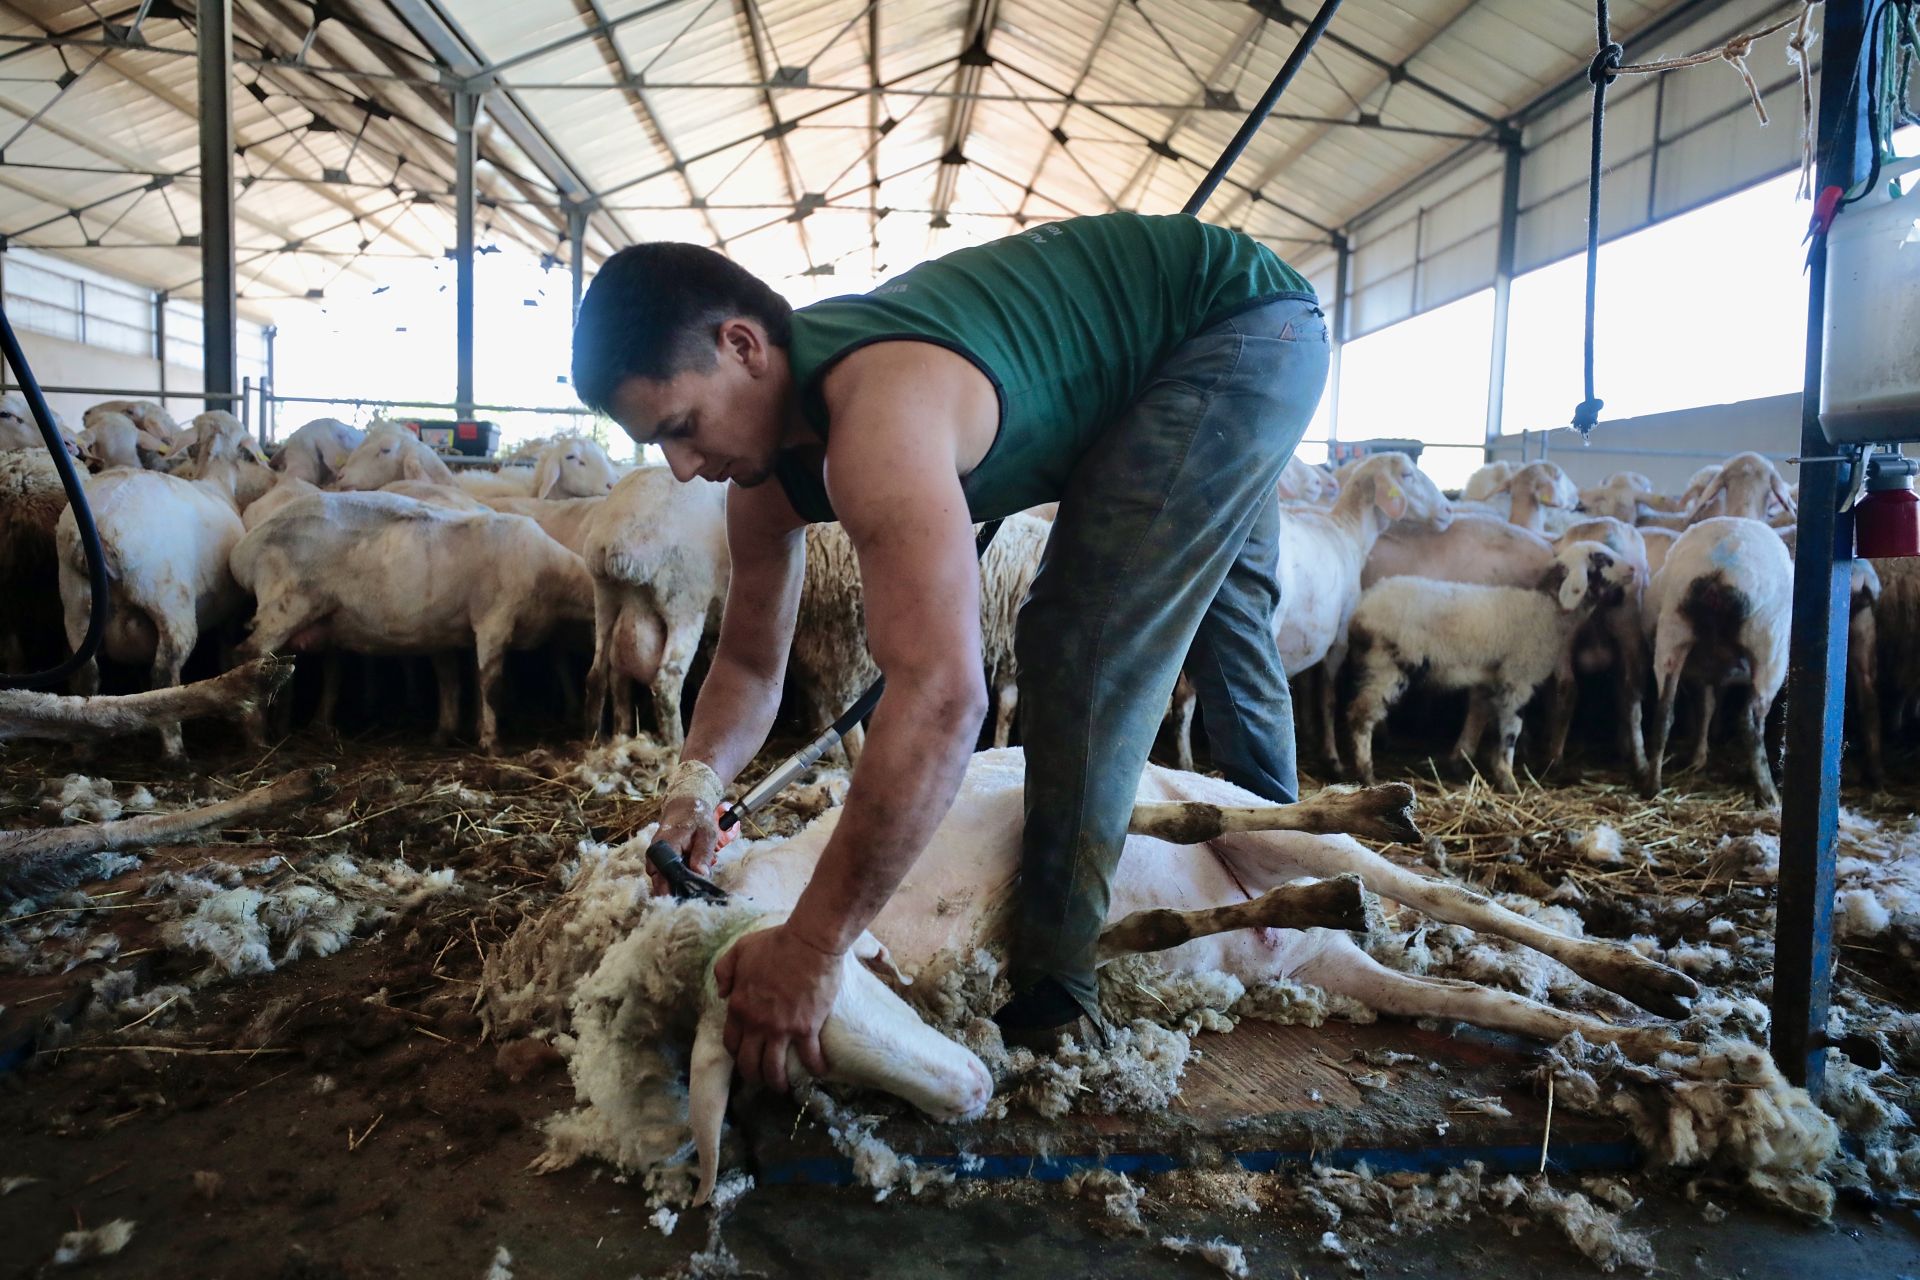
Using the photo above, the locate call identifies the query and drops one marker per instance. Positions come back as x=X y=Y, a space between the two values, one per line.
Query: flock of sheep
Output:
x=365 y=542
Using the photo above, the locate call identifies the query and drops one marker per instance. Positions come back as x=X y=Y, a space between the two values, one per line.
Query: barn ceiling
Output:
x=823 y=143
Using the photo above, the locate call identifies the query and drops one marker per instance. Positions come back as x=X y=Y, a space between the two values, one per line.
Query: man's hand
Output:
x=689 y=819
x=779 y=989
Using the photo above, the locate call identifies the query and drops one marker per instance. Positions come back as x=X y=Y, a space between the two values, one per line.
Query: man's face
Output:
x=720 y=422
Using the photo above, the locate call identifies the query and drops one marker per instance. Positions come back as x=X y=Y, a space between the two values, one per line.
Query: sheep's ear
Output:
x=411 y=467
x=1505 y=485
x=1389 y=497
x=1781 y=495
x=546 y=475
x=710 y=1080
x=151 y=443
x=1574 y=588
x=1708 y=494
x=873 y=953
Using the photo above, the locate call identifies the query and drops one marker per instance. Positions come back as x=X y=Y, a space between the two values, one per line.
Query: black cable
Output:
x=82 y=517
x=1258 y=116
x=1605 y=64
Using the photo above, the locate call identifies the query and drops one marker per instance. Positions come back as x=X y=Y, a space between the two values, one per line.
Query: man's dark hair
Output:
x=652 y=310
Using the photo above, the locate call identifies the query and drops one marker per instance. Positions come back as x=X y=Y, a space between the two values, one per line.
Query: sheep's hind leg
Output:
x=1339 y=903
x=173 y=642
x=1344 y=969
x=1262 y=860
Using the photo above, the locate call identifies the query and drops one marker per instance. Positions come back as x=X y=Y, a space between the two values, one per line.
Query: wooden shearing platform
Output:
x=1261 y=1096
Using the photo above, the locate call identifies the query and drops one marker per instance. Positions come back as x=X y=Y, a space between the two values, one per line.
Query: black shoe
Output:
x=1043 y=1015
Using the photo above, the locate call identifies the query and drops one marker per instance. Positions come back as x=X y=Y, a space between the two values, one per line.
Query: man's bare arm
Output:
x=741 y=694
x=892 y=476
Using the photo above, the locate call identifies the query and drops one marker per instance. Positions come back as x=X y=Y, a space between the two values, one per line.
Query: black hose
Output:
x=1258 y=116
x=82 y=517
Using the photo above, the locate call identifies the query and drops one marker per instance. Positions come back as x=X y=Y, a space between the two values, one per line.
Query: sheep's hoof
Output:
x=1648 y=983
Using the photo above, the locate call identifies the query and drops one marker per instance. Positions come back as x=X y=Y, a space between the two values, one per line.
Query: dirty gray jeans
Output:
x=1163 y=549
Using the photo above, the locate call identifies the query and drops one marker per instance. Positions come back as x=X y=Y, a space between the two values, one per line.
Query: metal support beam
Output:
x=466 y=106
x=1817 y=656
x=219 y=336
x=1503 y=288
x=1342 y=282
x=160 y=341
x=269 y=412
x=577 y=255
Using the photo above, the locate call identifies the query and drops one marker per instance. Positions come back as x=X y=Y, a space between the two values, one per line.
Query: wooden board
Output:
x=1263 y=1096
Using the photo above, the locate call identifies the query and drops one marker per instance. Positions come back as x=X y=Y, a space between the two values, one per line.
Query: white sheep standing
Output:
x=370 y=573
x=317 y=450
x=1318 y=564
x=1720 y=610
x=1611 y=641
x=657 y=552
x=166 y=542
x=1498 y=644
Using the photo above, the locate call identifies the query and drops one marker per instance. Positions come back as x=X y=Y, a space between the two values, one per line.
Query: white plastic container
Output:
x=1870 y=375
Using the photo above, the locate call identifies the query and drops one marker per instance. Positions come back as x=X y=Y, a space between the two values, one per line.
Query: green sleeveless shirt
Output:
x=1068 y=320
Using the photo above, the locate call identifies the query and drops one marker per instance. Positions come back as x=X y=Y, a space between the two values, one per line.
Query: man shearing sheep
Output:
x=1150 y=374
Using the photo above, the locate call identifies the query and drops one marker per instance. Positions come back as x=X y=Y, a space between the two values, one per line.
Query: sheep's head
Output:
x=1587 y=576
x=1613 y=501
x=1744 y=486
x=573 y=467
x=217 y=434
x=1401 y=491
x=389 y=453
x=1632 y=480
x=1546 y=484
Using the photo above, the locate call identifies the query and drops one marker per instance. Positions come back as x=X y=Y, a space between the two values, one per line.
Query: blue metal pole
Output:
x=1817 y=661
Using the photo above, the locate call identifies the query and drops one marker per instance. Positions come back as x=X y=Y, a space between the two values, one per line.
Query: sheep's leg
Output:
x=1006 y=704
x=1262 y=860
x=1756 y=735
x=50 y=716
x=1862 y=652
x=174 y=639
x=490 y=662
x=683 y=638
x=1184 y=701
x=1709 y=703
x=853 y=742
x=1676 y=661
x=1471 y=731
x=76 y=598
x=1566 y=690
x=1383 y=813
x=1381 y=685
x=1508 y=704
x=1345 y=969
x=1326 y=675
x=1338 y=903
x=1631 y=660
x=606 y=617
x=446 y=674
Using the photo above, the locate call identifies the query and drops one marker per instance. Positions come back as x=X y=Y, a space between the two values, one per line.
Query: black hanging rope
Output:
x=1606 y=63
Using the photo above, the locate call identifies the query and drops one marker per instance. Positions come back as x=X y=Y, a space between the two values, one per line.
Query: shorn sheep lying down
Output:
x=1208 y=857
